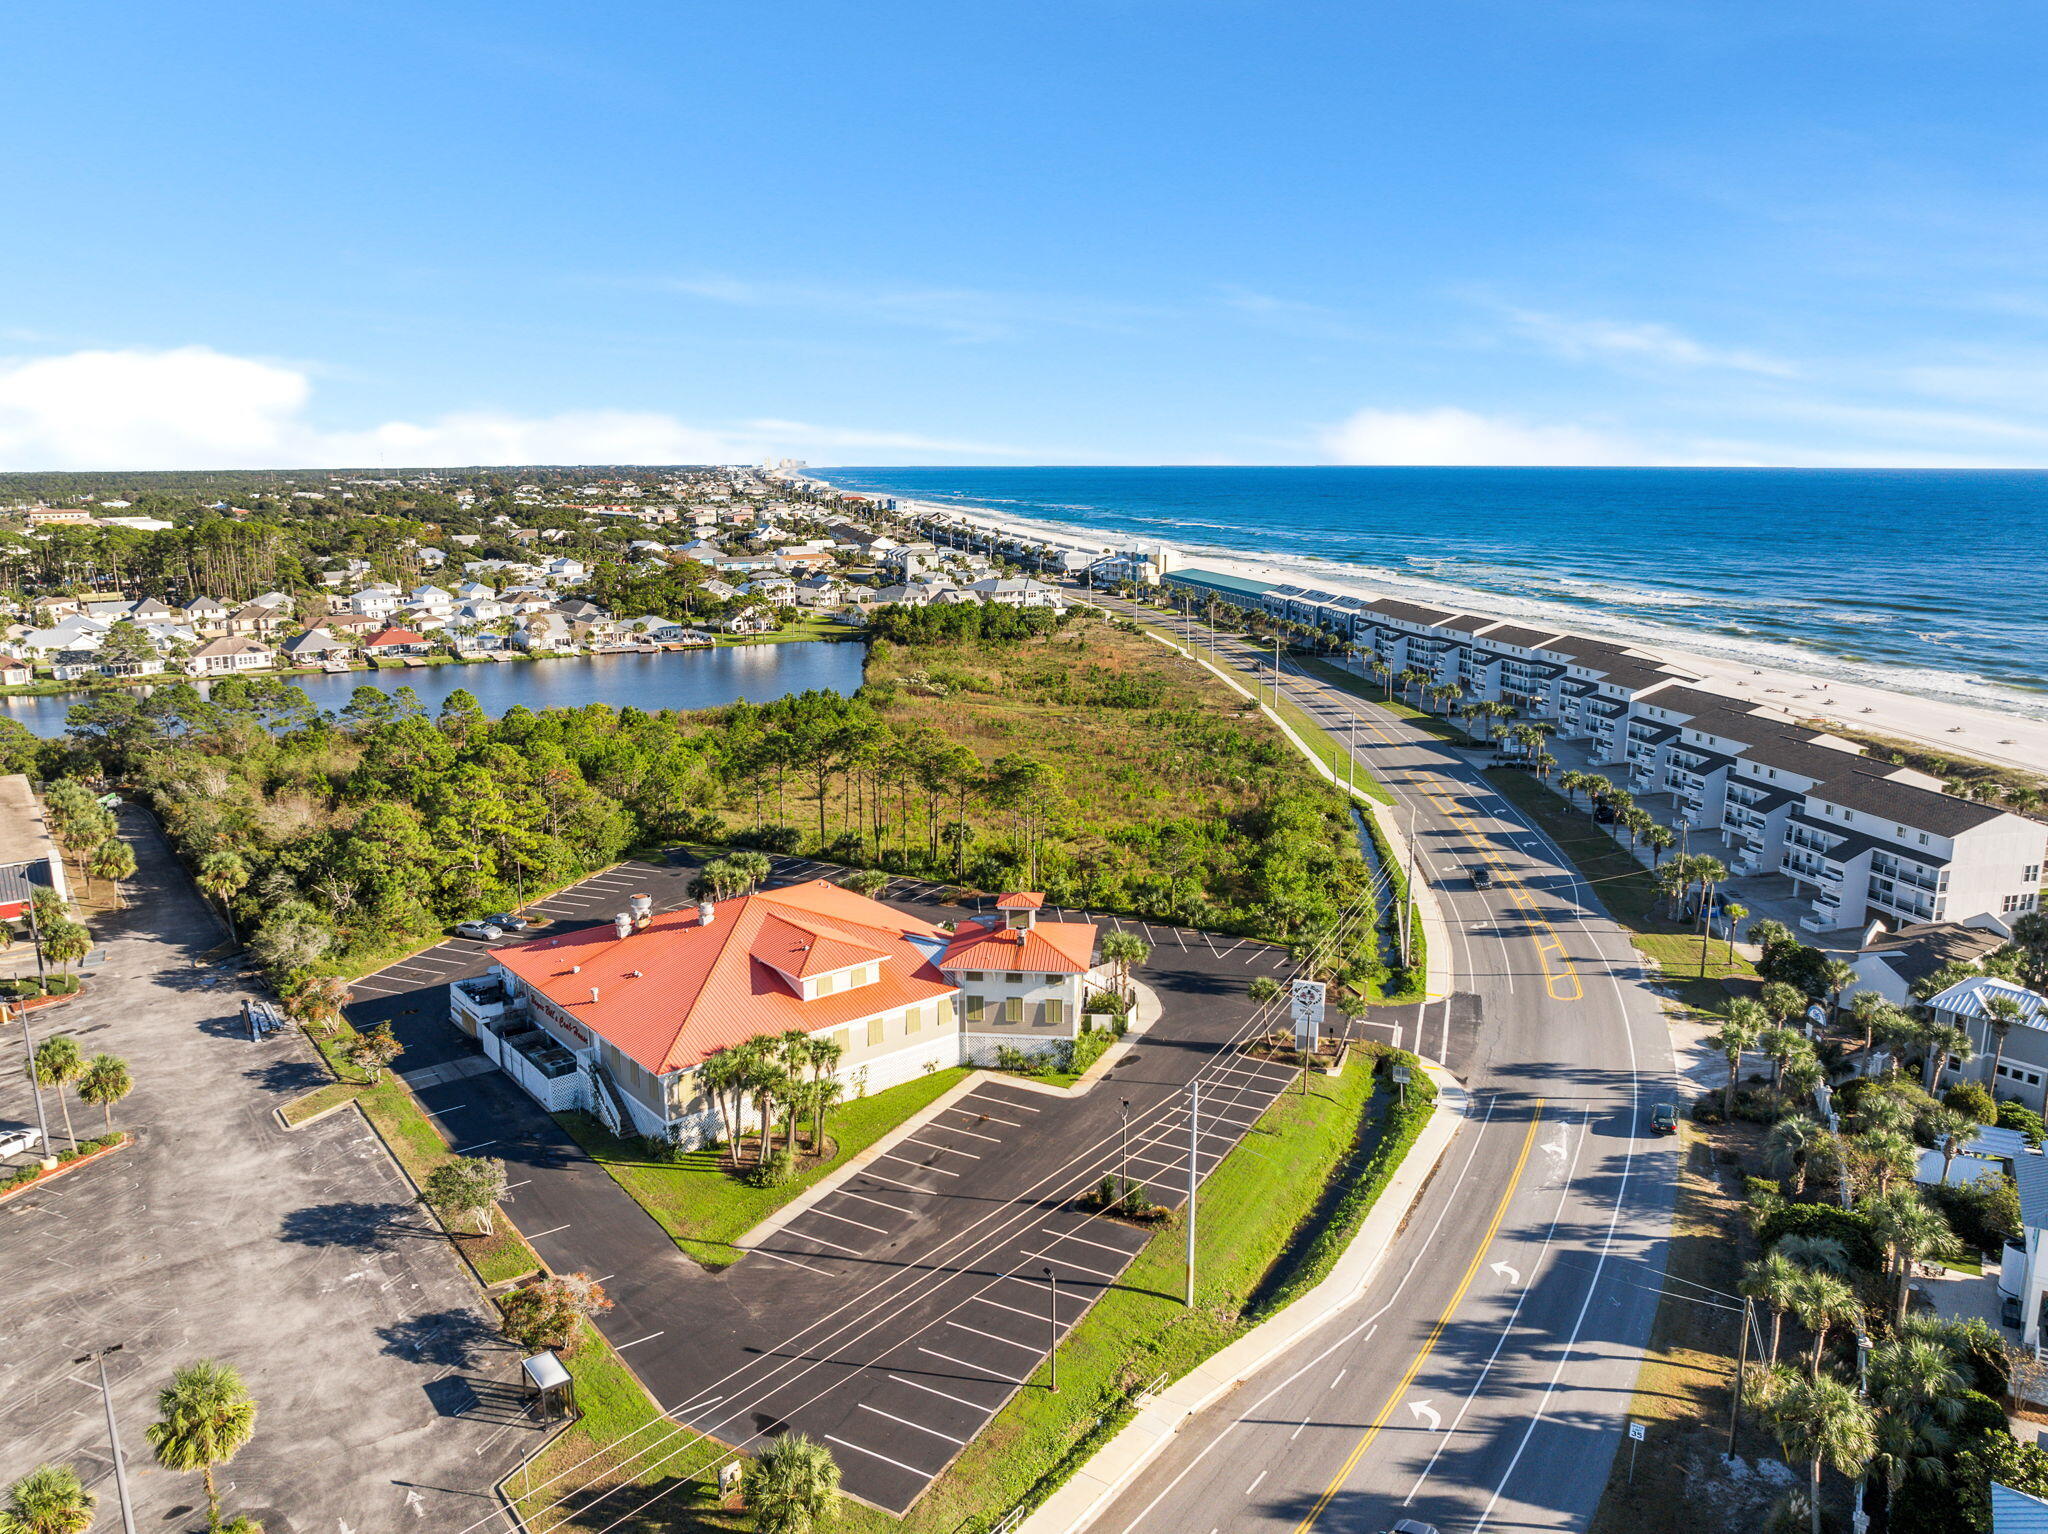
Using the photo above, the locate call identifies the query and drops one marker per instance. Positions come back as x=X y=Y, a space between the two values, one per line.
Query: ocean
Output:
x=1924 y=581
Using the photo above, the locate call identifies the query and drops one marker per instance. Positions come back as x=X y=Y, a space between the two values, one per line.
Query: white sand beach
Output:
x=1981 y=734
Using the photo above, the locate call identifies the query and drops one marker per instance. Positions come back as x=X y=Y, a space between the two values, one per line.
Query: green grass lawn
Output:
x=810 y=626
x=1373 y=693
x=1626 y=888
x=705 y=1209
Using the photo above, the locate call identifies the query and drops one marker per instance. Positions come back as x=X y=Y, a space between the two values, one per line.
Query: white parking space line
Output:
x=878 y=1203
x=848 y=1220
x=949 y=1150
x=892 y=1156
x=830 y=1246
x=637 y=1341
x=1013 y=1123
x=992 y=1139
x=1019 y=1107
x=977 y=1368
x=1029 y=1347
x=778 y=1257
x=908 y=1187
x=1067 y=1235
x=918 y=1426
x=871 y=1454
x=1077 y=1267
x=956 y=1400
x=476 y=1147
x=1029 y=1315
x=551 y=1230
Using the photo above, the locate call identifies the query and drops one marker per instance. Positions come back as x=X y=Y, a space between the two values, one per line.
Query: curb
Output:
x=1091 y=1489
x=72 y=1165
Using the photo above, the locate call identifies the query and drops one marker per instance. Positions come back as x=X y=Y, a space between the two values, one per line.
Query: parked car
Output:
x=482 y=931
x=2009 y=1311
x=1603 y=812
x=18 y=1139
x=1412 y=1526
x=1664 y=1119
x=1481 y=876
x=506 y=922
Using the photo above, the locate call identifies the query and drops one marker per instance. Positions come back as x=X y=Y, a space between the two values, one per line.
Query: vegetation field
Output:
x=706 y=1209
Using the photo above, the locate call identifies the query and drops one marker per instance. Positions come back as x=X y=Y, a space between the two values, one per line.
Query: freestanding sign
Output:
x=1308 y=997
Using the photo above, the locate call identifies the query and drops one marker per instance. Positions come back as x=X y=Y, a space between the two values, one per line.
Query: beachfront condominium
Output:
x=1858 y=838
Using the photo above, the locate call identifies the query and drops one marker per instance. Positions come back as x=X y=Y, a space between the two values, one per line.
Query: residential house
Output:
x=1892 y=963
x=618 y=1020
x=1006 y=591
x=750 y=620
x=231 y=654
x=378 y=601
x=207 y=616
x=316 y=647
x=394 y=642
x=2017 y=1070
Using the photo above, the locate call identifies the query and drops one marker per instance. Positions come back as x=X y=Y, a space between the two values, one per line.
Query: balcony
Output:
x=476 y=1004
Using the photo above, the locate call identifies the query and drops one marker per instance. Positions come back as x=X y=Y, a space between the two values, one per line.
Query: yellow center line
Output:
x=1429 y=1343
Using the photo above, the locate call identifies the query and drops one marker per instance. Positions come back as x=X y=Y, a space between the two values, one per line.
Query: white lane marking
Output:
x=956 y=1400
x=536 y=1235
x=1255 y=1483
x=918 y=1426
x=1340 y=1375
x=977 y=1368
x=871 y=1454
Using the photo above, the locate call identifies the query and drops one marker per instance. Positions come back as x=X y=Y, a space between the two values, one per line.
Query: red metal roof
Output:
x=1021 y=901
x=677 y=990
x=396 y=636
x=1050 y=947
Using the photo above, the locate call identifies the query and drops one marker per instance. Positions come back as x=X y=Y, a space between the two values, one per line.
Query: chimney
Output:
x=622 y=924
x=705 y=912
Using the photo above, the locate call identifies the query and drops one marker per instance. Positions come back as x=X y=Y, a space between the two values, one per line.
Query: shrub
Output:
x=778 y=1169
x=1972 y=1098
x=661 y=1149
x=783 y=839
x=1706 y=1108
x=2012 y=1115
x=1984 y=1214
x=1010 y=1058
x=1844 y=1225
x=62 y=985
x=1086 y=1050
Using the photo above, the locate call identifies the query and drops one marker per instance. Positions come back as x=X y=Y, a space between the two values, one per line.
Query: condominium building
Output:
x=1860 y=839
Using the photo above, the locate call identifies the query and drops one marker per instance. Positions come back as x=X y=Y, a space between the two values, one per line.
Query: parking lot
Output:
x=893 y=1317
x=300 y=1257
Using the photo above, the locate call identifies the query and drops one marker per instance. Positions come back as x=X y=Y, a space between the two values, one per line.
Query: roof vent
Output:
x=632 y=974
x=622 y=924
x=575 y=969
x=706 y=911
x=593 y=995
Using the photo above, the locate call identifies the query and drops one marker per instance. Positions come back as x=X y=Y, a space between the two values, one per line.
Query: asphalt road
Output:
x=1483 y=1381
x=896 y=1316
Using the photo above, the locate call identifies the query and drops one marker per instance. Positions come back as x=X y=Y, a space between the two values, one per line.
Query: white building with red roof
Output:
x=617 y=1019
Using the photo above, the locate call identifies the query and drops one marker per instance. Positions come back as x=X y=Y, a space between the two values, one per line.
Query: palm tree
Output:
x=1822 y=1422
x=1836 y=976
x=222 y=875
x=1124 y=949
x=1908 y=1230
x=1263 y=989
x=1772 y=1280
x=1889 y=1155
x=1781 y=1044
x=1571 y=780
x=722 y=1078
x=207 y=1416
x=792 y=1486
x=112 y=860
x=58 y=1063
x=1919 y=1397
x=104 y=1082
x=1949 y=1128
x=50 y=1499
x=1786 y=1148
x=1944 y=1045
x=2000 y=1013
x=1817 y=1253
x=316 y=1002
x=1732 y=1038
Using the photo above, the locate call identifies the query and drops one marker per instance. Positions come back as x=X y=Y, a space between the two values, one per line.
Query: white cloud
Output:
x=1450 y=436
x=1641 y=344
x=193 y=407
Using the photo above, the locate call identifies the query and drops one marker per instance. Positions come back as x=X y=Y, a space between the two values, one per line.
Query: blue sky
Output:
x=1009 y=233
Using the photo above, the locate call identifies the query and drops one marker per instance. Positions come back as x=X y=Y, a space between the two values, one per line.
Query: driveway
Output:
x=299 y=1257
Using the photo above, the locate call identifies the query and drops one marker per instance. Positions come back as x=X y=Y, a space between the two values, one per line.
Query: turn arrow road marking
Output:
x=1508 y=1273
x=1424 y=1409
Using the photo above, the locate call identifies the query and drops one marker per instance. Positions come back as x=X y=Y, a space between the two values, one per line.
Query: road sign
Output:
x=1308 y=997
x=1638 y=1431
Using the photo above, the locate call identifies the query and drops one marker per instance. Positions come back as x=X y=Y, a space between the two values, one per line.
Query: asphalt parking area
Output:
x=895 y=1316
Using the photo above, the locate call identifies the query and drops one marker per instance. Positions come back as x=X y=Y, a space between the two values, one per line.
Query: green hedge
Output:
x=27 y=989
x=1357 y=1188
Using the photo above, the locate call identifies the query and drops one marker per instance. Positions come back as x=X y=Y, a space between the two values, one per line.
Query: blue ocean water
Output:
x=1928 y=581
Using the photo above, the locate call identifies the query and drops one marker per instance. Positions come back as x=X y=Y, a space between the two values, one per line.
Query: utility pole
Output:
x=99 y=1356
x=1735 y=1384
x=1194 y=1140
x=1052 y=1326
x=1123 y=1151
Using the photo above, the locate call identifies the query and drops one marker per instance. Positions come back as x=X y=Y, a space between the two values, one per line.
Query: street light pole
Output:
x=35 y=1084
x=1194 y=1140
x=1052 y=1327
x=1123 y=1151
x=99 y=1356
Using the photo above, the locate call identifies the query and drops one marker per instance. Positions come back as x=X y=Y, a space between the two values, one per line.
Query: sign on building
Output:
x=1308 y=997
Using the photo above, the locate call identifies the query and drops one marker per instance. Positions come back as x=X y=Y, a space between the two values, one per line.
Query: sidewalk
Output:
x=1096 y=1484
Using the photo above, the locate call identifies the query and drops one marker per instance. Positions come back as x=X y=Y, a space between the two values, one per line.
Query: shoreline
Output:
x=1813 y=694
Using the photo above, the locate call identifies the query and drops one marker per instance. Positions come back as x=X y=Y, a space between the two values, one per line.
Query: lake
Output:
x=678 y=679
